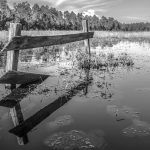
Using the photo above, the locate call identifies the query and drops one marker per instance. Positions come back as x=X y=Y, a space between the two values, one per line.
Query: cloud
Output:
x=76 y=5
x=85 y=5
x=59 y=2
x=90 y=12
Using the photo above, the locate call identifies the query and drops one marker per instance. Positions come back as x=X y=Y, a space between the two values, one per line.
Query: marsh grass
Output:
x=121 y=34
x=103 y=61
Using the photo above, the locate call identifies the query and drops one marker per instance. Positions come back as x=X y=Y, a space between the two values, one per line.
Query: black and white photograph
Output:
x=74 y=74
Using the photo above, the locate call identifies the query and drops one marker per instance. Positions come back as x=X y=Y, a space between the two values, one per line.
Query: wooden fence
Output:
x=17 y=42
x=12 y=76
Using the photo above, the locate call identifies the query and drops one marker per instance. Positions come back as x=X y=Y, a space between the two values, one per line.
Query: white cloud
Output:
x=90 y=12
x=75 y=5
x=84 y=5
x=59 y=2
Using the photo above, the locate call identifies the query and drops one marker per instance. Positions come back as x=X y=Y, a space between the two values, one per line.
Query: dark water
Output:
x=104 y=108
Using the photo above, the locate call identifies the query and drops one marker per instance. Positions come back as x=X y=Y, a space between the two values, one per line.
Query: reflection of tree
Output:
x=104 y=87
x=104 y=42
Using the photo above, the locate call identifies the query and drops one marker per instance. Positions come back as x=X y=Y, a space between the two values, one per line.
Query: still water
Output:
x=104 y=108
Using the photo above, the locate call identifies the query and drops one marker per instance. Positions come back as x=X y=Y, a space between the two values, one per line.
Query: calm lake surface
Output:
x=104 y=108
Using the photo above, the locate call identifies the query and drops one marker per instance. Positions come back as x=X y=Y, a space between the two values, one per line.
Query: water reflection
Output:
x=12 y=101
x=59 y=122
x=137 y=129
x=110 y=65
x=17 y=118
x=38 y=117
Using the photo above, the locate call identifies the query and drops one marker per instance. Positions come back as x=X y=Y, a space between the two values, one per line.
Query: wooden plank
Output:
x=18 y=94
x=26 y=42
x=12 y=56
x=38 y=117
x=16 y=77
x=17 y=118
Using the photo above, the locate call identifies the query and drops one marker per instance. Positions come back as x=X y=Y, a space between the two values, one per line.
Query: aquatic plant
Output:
x=103 y=61
x=76 y=140
x=138 y=128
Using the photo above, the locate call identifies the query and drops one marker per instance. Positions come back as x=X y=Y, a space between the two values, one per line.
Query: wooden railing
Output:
x=12 y=77
x=17 y=42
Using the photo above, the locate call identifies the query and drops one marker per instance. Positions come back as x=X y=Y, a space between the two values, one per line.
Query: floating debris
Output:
x=122 y=113
x=60 y=122
x=139 y=128
x=76 y=140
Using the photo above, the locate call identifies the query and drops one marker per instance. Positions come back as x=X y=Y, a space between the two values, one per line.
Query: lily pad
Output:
x=76 y=140
x=138 y=128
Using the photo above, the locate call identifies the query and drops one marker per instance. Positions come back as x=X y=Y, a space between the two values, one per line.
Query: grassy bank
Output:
x=122 y=34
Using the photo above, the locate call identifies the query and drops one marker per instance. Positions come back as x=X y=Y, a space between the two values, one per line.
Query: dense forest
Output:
x=47 y=18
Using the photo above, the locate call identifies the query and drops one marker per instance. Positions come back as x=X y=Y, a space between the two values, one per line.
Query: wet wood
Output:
x=38 y=117
x=26 y=42
x=17 y=118
x=16 y=77
x=19 y=93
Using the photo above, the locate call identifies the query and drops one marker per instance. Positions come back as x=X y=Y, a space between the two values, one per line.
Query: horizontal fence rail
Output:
x=26 y=42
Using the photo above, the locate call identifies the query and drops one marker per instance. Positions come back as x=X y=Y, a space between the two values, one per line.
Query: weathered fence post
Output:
x=86 y=42
x=13 y=56
x=87 y=49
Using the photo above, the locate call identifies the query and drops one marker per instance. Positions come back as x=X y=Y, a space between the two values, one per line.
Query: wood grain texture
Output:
x=26 y=42
x=13 y=56
x=16 y=77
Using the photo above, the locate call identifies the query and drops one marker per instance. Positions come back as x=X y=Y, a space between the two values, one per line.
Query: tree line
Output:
x=49 y=18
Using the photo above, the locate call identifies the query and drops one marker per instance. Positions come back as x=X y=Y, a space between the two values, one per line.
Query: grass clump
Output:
x=103 y=61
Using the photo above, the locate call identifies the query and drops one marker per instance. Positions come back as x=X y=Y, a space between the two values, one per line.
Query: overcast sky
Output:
x=123 y=10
